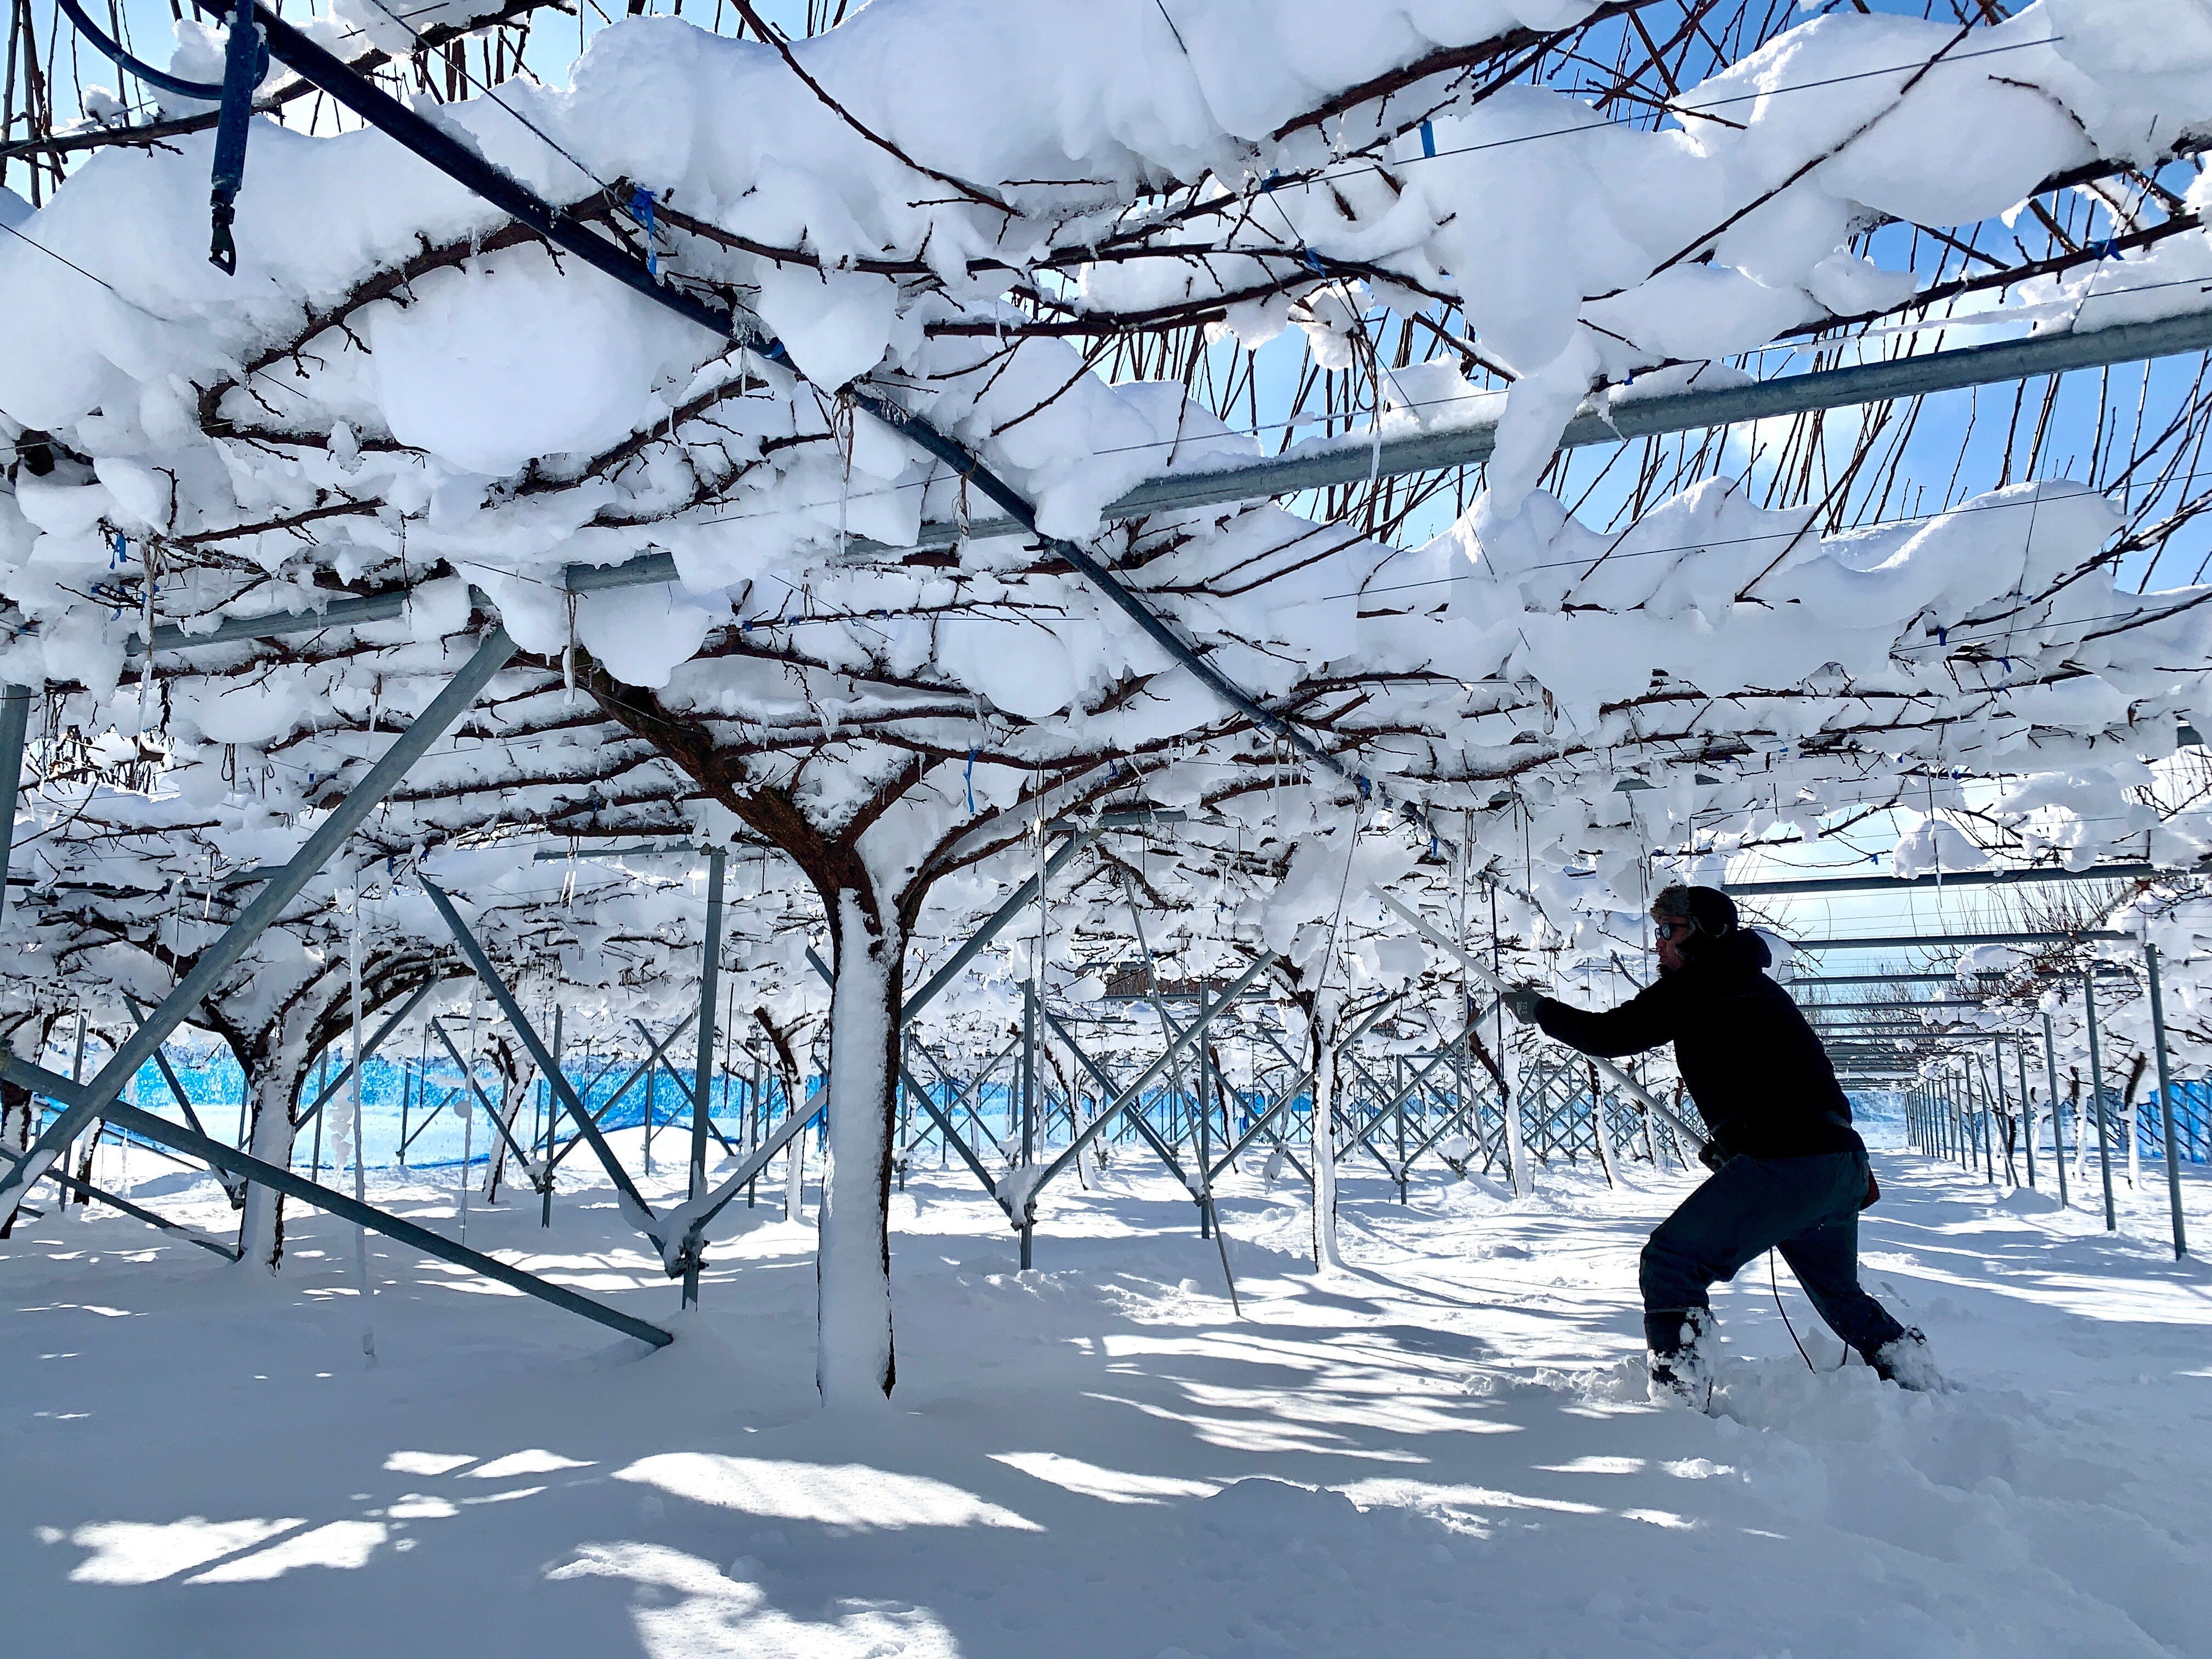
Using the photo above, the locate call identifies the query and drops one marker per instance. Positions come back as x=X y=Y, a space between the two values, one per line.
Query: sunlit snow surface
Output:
x=1442 y=1450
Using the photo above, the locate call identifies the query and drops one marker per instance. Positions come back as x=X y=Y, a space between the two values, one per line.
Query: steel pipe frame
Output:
x=1929 y=941
x=87 y=1192
x=1491 y=978
x=1909 y=376
x=693 y=1092
x=2057 y=1117
x=1305 y=468
x=710 y=962
x=2026 y=876
x=1349 y=460
x=231 y=1185
x=14 y=726
x=424 y=1122
x=539 y=1176
x=629 y=1083
x=367 y=1049
x=1129 y=1104
x=450 y=703
x=964 y=1095
x=1905 y=377
x=643 y=1218
x=953 y=1138
x=1120 y=1098
x=1395 y=1104
x=1301 y=1077
x=162 y=1132
x=2097 y=1093
x=794 y=1121
x=2167 y=1104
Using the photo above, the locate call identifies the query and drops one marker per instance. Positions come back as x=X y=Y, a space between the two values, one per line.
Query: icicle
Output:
x=569 y=659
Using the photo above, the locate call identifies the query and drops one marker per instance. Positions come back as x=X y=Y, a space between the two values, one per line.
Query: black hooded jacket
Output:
x=1758 y=1074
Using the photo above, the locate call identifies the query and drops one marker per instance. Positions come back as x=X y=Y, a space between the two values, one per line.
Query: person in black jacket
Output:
x=1790 y=1173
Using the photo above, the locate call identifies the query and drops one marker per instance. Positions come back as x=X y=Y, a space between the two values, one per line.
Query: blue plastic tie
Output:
x=1428 y=140
x=640 y=203
x=1271 y=181
x=116 y=558
x=971 y=783
x=1313 y=262
x=1942 y=636
x=1365 y=787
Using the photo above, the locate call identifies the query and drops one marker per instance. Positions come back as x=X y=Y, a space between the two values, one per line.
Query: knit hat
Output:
x=1710 y=912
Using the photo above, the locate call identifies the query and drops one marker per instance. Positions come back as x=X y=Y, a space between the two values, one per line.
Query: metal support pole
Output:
x=2057 y=1117
x=709 y=967
x=2165 y=1102
x=1996 y=1086
x=1206 y=1090
x=2027 y=1108
x=267 y=905
x=2097 y=1094
x=14 y=724
x=1122 y=1099
x=1987 y=1118
x=1028 y=1217
x=545 y=1133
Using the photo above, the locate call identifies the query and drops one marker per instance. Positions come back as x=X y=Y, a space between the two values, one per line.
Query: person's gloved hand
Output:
x=1712 y=1155
x=1520 y=1002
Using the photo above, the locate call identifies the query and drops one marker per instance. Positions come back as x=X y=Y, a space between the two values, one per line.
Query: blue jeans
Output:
x=1806 y=1208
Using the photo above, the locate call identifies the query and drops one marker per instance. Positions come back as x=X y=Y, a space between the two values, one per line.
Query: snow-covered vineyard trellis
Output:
x=1021 y=596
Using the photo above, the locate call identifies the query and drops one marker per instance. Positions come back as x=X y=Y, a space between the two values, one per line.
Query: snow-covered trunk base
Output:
x=1321 y=1028
x=854 y=1364
x=261 y=1230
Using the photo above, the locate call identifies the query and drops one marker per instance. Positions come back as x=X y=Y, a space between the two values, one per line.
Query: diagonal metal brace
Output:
x=640 y=1213
x=85 y=1189
x=1290 y=1094
x=952 y=1135
x=628 y=1084
x=1145 y=1079
x=338 y=1204
x=538 y=1176
x=660 y=1055
x=368 y=1047
x=232 y=1186
x=269 y=904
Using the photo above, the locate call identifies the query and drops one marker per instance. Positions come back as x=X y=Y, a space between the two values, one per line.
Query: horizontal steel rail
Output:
x=1918 y=941
x=2030 y=877
x=1323 y=463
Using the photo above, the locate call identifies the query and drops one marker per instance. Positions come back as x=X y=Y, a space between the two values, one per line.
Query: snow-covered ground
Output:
x=1443 y=1450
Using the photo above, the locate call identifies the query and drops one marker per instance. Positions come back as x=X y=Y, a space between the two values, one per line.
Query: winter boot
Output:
x=1680 y=1340
x=1906 y=1361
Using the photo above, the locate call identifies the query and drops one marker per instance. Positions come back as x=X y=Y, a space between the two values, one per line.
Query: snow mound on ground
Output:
x=1262 y=1504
